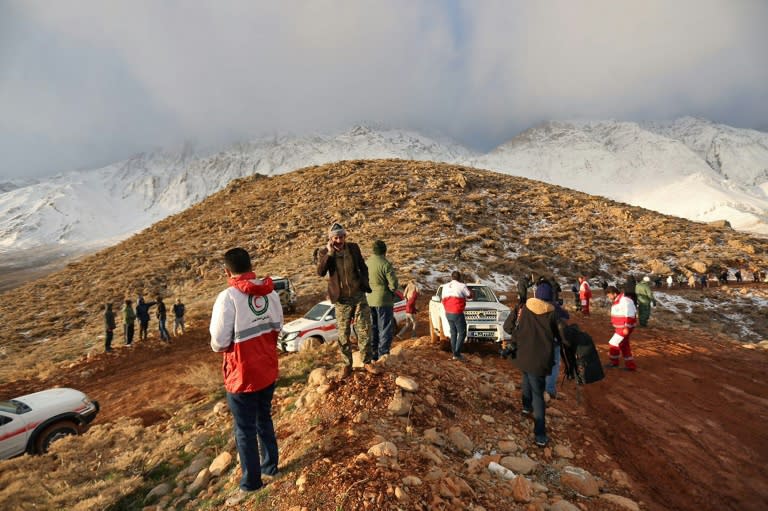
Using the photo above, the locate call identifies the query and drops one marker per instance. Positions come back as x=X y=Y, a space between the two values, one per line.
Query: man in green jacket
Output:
x=129 y=322
x=644 y=300
x=381 y=299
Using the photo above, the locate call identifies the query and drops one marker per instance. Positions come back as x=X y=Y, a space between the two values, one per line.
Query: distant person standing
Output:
x=670 y=282
x=703 y=280
x=411 y=294
x=455 y=295
x=162 y=314
x=644 y=300
x=245 y=322
x=738 y=277
x=142 y=314
x=692 y=281
x=109 y=327
x=178 y=317
x=381 y=300
x=585 y=295
x=576 y=299
x=347 y=274
x=129 y=322
x=522 y=288
x=623 y=320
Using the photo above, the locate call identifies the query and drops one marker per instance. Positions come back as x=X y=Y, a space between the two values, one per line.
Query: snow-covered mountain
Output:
x=672 y=168
x=690 y=168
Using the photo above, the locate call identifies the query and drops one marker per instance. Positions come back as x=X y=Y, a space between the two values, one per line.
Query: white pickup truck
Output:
x=320 y=323
x=32 y=422
x=485 y=316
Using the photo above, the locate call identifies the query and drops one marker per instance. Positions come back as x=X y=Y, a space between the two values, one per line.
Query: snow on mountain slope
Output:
x=737 y=154
x=113 y=202
x=625 y=162
x=677 y=168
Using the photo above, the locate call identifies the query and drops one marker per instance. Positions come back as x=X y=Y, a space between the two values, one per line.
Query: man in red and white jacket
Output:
x=623 y=320
x=585 y=295
x=246 y=320
x=454 y=298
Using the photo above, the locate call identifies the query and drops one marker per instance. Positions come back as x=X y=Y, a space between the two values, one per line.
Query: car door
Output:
x=330 y=328
x=13 y=434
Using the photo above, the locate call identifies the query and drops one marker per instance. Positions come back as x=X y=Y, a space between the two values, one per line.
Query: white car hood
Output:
x=53 y=397
x=485 y=306
x=300 y=324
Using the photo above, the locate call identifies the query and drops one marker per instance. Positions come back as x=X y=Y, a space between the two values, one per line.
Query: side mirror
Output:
x=436 y=299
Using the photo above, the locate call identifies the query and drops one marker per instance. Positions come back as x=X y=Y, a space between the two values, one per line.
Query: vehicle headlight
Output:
x=501 y=316
x=289 y=336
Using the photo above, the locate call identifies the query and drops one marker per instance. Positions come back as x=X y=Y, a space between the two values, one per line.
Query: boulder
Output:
x=461 y=441
x=384 y=449
x=579 y=480
x=220 y=463
x=407 y=384
x=620 y=501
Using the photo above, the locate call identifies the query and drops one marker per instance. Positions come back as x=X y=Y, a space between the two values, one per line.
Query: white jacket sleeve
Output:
x=222 y=322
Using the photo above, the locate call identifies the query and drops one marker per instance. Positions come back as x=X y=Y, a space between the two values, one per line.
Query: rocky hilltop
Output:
x=434 y=218
x=429 y=433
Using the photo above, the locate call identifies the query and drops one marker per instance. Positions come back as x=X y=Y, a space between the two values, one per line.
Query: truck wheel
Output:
x=54 y=432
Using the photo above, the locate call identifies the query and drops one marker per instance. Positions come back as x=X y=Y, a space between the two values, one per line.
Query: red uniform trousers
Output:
x=625 y=350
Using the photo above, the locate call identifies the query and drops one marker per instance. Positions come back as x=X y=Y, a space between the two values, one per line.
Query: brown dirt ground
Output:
x=688 y=427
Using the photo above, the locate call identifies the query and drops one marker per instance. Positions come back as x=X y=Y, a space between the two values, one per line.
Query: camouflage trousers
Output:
x=357 y=308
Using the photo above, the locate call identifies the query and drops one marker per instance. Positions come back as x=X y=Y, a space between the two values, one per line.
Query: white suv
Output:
x=320 y=323
x=485 y=316
x=32 y=422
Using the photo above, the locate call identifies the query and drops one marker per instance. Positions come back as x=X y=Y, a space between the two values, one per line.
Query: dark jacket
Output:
x=178 y=310
x=109 y=319
x=534 y=336
x=161 y=312
x=142 y=310
x=326 y=263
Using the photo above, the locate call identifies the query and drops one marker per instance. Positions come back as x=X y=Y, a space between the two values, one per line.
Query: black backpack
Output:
x=582 y=362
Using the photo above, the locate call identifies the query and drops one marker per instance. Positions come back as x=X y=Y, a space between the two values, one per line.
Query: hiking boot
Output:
x=541 y=441
x=268 y=478
x=372 y=368
x=526 y=412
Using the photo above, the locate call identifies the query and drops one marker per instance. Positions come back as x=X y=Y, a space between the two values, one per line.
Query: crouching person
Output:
x=245 y=322
x=534 y=337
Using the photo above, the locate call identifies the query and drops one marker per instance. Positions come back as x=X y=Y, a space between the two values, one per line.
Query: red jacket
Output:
x=245 y=323
x=623 y=315
x=410 y=304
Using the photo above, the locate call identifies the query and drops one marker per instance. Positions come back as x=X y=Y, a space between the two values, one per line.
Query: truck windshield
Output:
x=482 y=294
x=317 y=312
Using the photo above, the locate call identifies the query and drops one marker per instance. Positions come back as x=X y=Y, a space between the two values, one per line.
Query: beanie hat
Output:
x=646 y=279
x=544 y=292
x=336 y=230
x=379 y=247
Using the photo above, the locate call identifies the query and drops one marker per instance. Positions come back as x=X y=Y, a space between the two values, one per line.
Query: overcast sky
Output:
x=85 y=83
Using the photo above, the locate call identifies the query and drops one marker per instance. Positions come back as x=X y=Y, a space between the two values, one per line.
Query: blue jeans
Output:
x=163 y=331
x=551 y=384
x=458 y=326
x=532 y=390
x=382 y=331
x=254 y=435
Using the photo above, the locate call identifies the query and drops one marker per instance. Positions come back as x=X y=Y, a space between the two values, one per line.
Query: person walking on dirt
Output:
x=178 y=317
x=576 y=299
x=692 y=281
x=644 y=301
x=411 y=294
x=109 y=327
x=245 y=322
x=534 y=337
x=585 y=295
x=142 y=314
x=544 y=292
x=347 y=285
x=162 y=314
x=623 y=320
x=129 y=322
x=381 y=300
x=455 y=295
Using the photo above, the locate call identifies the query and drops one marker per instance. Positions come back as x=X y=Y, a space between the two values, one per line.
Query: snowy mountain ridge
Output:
x=688 y=167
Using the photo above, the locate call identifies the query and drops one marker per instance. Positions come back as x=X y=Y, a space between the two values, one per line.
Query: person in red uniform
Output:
x=623 y=320
x=585 y=295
